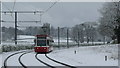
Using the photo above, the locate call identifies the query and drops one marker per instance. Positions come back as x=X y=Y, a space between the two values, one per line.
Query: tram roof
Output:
x=47 y=36
x=42 y=35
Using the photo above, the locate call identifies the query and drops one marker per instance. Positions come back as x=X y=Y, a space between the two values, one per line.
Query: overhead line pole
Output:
x=16 y=17
x=78 y=38
x=15 y=27
x=59 y=37
x=67 y=37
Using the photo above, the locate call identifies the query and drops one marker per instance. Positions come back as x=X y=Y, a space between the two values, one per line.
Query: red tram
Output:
x=43 y=44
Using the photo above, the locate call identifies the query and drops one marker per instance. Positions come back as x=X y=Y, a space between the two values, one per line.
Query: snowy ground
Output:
x=85 y=56
x=88 y=56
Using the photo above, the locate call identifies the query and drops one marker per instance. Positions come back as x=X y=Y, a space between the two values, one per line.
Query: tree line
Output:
x=110 y=21
x=86 y=32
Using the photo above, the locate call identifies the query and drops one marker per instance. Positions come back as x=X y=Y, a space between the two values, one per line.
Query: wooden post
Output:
x=75 y=52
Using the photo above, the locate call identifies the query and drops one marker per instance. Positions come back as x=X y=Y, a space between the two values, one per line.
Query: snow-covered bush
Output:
x=114 y=56
x=64 y=44
x=8 y=48
x=111 y=49
x=0 y=49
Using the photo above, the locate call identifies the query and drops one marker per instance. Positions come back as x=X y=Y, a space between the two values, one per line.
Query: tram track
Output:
x=36 y=56
x=59 y=62
x=5 y=61
x=43 y=62
x=19 y=59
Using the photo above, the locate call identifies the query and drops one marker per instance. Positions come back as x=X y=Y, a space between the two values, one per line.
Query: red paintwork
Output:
x=41 y=35
x=41 y=49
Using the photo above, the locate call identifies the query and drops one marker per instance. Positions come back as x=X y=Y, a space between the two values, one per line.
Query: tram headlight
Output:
x=44 y=48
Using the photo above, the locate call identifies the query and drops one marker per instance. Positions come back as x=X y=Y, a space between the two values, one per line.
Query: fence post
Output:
x=105 y=58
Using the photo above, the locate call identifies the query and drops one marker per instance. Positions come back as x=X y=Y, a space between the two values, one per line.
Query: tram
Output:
x=43 y=44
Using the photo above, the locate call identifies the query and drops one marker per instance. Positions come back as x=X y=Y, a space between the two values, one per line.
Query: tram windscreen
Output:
x=41 y=42
x=41 y=37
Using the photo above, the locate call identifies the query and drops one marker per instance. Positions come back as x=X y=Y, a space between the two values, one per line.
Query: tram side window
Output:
x=50 y=42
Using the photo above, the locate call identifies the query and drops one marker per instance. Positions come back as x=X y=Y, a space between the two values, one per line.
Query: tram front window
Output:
x=41 y=42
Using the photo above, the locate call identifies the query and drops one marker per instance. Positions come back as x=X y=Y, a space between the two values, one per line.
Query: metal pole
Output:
x=78 y=38
x=104 y=40
x=49 y=29
x=67 y=37
x=19 y=21
x=15 y=27
x=58 y=37
x=40 y=18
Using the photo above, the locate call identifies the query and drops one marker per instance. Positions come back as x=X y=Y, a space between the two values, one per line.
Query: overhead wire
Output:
x=48 y=9
x=51 y=6
x=32 y=18
x=13 y=6
x=8 y=9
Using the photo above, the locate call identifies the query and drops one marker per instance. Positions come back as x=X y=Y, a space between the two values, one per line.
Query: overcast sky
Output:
x=63 y=14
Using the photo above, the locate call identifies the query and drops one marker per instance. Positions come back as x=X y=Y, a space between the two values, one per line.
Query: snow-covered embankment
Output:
x=88 y=55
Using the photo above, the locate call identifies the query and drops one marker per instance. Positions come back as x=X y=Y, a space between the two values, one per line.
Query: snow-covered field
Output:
x=88 y=56
x=85 y=56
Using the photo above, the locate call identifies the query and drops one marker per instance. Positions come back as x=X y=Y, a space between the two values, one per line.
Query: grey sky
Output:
x=62 y=14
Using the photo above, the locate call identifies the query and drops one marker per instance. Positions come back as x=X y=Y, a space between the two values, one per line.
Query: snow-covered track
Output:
x=5 y=61
x=21 y=57
x=43 y=62
x=59 y=62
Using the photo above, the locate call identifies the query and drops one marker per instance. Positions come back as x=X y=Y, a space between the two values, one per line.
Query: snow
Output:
x=49 y=61
x=25 y=36
x=62 y=40
x=85 y=56
x=28 y=61
x=10 y=61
